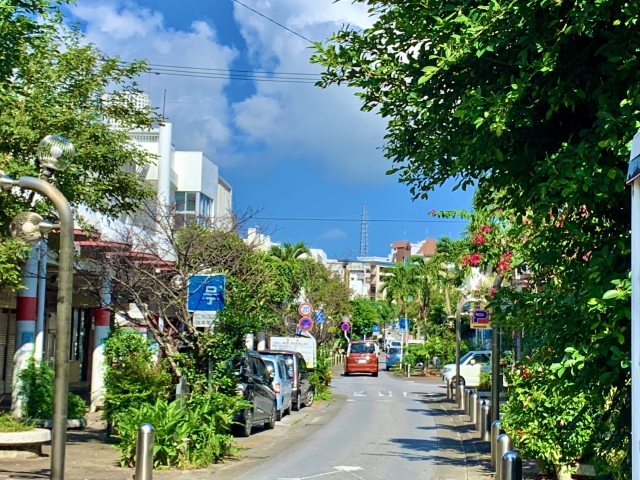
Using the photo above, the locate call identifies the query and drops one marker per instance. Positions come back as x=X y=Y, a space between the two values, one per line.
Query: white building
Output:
x=189 y=179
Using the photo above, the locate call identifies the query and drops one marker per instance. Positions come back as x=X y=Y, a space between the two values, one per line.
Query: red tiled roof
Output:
x=428 y=248
x=401 y=244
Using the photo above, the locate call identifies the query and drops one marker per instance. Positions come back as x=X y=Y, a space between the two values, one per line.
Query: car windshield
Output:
x=466 y=356
x=363 y=348
x=394 y=351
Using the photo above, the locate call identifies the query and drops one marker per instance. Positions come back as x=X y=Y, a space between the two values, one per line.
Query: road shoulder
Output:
x=265 y=445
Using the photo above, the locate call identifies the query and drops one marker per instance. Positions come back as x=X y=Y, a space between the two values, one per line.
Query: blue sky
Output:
x=291 y=150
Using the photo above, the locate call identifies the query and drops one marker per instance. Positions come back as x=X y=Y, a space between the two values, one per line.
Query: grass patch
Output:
x=11 y=424
x=325 y=394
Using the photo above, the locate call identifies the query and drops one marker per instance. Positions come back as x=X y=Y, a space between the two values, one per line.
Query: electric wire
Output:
x=387 y=220
x=272 y=20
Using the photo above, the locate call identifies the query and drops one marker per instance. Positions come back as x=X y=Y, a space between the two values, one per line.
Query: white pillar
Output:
x=635 y=310
x=26 y=312
x=164 y=164
x=102 y=324
x=42 y=292
x=262 y=341
x=248 y=341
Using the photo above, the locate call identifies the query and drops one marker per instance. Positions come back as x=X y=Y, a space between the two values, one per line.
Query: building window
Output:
x=206 y=206
x=186 y=201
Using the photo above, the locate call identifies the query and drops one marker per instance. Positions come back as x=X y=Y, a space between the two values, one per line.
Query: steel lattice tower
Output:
x=364 y=233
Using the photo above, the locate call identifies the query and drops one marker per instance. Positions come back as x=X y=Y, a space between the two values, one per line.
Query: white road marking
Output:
x=405 y=394
x=360 y=394
x=350 y=400
x=409 y=381
x=348 y=469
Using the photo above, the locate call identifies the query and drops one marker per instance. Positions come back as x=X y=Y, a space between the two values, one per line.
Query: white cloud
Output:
x=333 y=234
x=198 y=108
x=324 y=128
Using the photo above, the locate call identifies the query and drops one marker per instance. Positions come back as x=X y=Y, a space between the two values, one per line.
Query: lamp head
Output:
x=29 y=227
x=55 y=152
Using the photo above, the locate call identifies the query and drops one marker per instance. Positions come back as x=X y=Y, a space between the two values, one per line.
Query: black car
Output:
x=255 y=386
x=302 y=393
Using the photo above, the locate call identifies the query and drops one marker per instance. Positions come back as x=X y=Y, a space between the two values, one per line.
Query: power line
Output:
x=230 y=70
x=388 y=220
x=233 y=77
x=273 y=21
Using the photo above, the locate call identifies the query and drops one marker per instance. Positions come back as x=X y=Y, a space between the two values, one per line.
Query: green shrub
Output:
x=9 y=423
x=36 y=393
x=320 y=378
x=485 y=382
x=194 y=436
x=132 y=378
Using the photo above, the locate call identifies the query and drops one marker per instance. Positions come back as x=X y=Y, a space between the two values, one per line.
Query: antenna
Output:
x=364 y=233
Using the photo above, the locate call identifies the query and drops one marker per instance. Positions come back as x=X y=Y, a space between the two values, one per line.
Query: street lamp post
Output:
x=53 y=153
x=633 y=179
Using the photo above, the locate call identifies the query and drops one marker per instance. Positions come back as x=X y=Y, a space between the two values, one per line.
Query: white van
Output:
x=471 y=364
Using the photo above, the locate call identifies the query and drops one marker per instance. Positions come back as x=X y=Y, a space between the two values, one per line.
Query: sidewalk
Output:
x=90 y=456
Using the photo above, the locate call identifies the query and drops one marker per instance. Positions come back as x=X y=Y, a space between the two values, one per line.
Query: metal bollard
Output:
x=449 y=393
x=472 y=407
x=511 y=468
x=461 y=399
x=485 y=423
x=503 y=444
x=467 y=394
x=495 y=432
x=478 y=412
x=144 y=452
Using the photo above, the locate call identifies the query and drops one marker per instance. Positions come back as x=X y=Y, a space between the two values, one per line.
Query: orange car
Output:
x=362 y=358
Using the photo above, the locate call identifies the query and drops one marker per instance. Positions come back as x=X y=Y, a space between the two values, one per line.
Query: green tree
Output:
x=58 y=86
x=399 y=285
x=535 y=103
x=364 y=315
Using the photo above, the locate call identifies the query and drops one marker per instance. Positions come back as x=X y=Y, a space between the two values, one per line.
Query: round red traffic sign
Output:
x=305 y=324
x=345 y=327
x=305 y=309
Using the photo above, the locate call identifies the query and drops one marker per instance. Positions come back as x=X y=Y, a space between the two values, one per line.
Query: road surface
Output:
x=382 y=432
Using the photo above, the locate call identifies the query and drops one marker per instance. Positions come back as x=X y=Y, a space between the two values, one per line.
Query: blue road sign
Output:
x=305 y=324
x=405 y=324
x=376 y=329
x=319 y=316
x=206 y=293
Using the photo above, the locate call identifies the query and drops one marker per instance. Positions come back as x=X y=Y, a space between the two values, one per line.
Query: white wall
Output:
x=196 y=173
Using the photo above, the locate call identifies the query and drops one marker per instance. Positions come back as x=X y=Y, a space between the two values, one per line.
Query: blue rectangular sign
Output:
x=405 y=323
x=206 y=293
x=376 y=329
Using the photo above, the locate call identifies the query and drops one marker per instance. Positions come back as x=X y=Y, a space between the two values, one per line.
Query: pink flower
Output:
x=479 y=239
x=475 y=259
x=485 y=229
x=526 y=374
x=493 y=291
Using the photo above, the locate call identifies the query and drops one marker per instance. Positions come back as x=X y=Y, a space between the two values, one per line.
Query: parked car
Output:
x=301 y=391
x=471 y=364
x=394 y=344
x=255 y=386
x=282 y=384
x=393 y=357
x=361 y=358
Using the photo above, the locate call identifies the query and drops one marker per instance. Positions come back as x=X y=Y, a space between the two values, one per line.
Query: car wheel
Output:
x=346 y=374
x=388 y=368
x=271 y=423
x=288 y=410
x=375 y=374
x=279 y=415
x=296 y=403
x=244 y=430
x=309 y=401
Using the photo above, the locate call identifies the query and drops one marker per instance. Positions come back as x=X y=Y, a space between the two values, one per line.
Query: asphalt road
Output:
x=382 y=432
